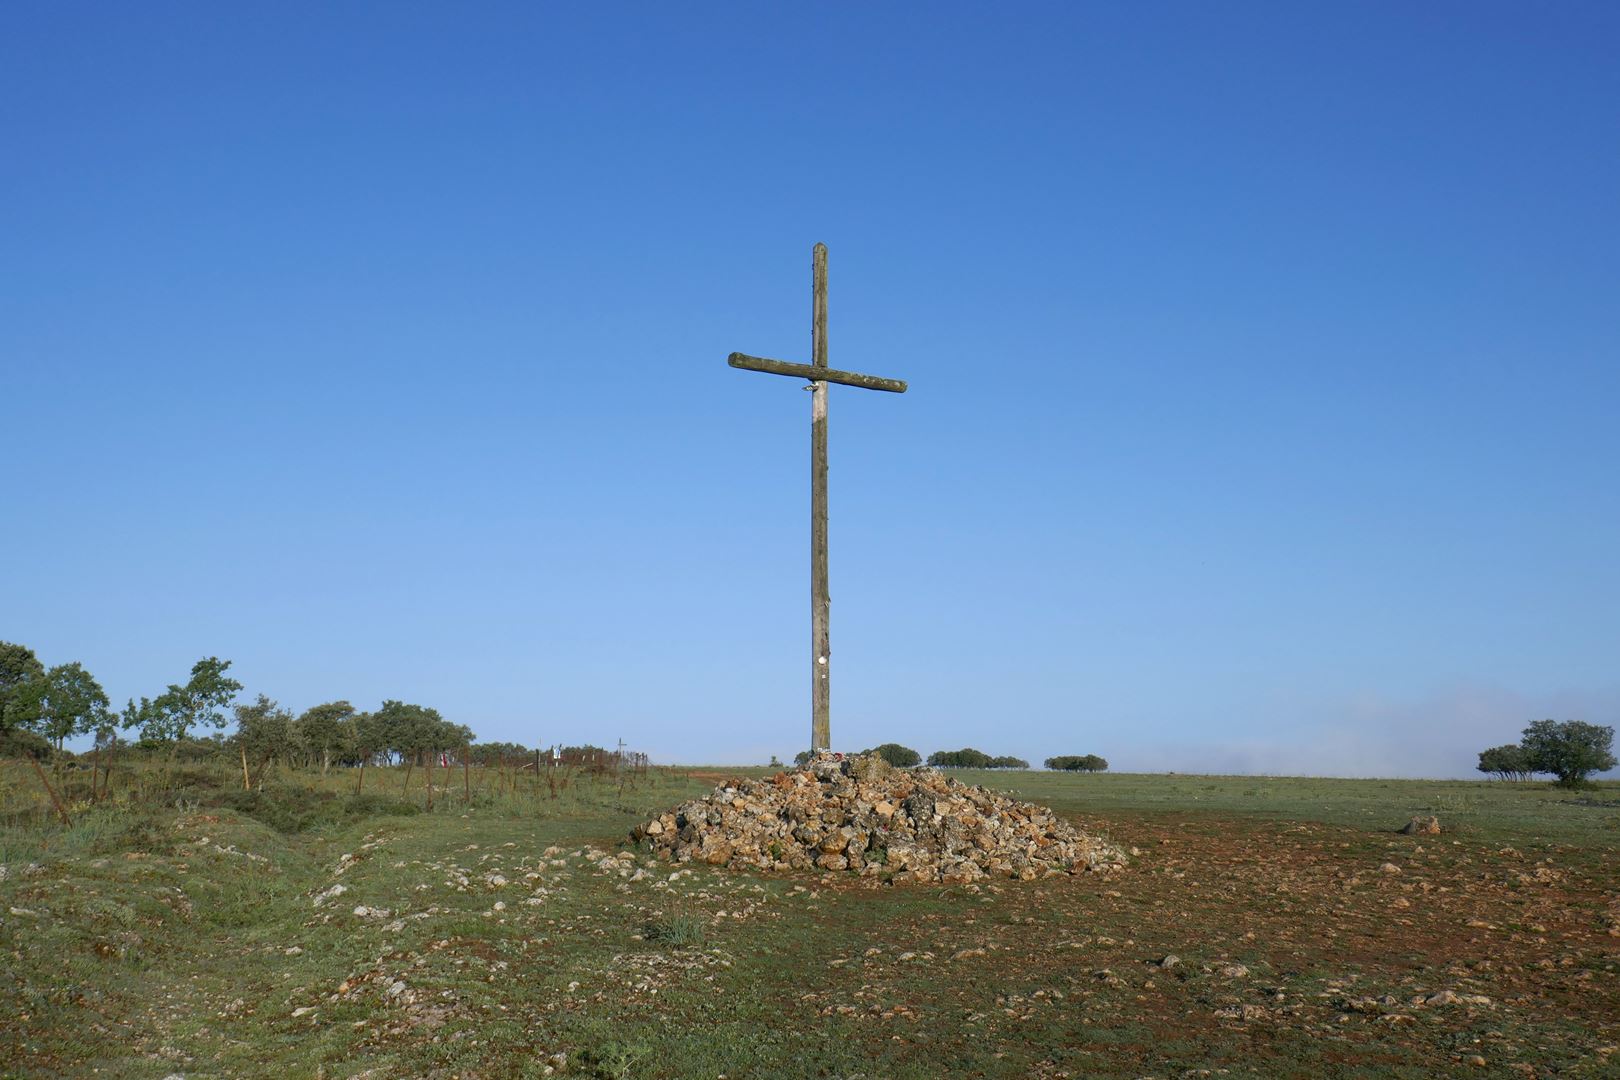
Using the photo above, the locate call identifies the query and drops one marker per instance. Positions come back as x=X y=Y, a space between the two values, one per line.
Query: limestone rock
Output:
x=862 y=815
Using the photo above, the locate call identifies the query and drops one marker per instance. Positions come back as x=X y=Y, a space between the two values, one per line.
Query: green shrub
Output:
x=296 y=811
x=615 y=1060
x=196 y=783
x=370 y=804
x=20 y=742
x=676 y=932
x=142 y=834
x=272 y=808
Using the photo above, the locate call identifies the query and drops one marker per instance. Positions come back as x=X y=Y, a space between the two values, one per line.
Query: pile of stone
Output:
x=862 y=815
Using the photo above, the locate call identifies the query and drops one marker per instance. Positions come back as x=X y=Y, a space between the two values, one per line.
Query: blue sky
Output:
x=1263 y=363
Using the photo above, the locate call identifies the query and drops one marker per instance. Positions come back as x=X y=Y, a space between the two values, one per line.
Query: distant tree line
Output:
x=1571 y=750
x=336 y=731
x=904 y=757
x=969 y=758
x=41 y=708
x=1077 y=763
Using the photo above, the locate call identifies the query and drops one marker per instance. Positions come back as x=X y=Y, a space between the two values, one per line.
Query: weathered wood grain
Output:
x=815 y=374
x=820 y=600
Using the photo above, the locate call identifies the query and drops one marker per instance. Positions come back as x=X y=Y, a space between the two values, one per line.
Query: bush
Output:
x=966 y=758
x=142 y=834
x=676 y=932
x=20 y=742
x=901 y=757
x=1008 y=763
x=369 y=804
x=1077 y=763
x=198 y=782
x=272 y=808
x=298 y=811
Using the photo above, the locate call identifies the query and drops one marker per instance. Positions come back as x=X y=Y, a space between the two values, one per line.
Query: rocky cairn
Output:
x=862 y=815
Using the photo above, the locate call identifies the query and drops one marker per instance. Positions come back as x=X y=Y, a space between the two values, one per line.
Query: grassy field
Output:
x=309 y=933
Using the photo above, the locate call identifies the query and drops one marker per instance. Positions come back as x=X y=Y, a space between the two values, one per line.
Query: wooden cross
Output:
x=819 y=375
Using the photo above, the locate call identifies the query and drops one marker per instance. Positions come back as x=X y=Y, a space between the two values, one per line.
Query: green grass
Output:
x=1485 y=810
x=200 y=937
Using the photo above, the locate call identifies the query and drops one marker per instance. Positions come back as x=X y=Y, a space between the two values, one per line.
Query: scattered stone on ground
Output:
x=862 y=815
x=328 y=894
x=1422 y=826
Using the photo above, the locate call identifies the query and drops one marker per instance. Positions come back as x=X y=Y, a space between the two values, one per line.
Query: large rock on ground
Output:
x=861 y=815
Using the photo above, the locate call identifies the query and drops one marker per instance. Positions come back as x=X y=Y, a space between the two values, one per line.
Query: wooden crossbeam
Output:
x=815 y=374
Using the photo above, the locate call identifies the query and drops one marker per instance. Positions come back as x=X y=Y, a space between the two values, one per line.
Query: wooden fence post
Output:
x=55 y=801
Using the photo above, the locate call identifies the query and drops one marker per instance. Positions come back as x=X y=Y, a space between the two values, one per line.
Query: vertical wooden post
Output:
x=820 y=374
x=820 y=600
x=466 y=781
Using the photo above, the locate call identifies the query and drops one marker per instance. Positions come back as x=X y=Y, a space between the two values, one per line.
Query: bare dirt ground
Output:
x=1289 y=949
